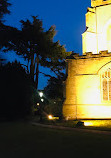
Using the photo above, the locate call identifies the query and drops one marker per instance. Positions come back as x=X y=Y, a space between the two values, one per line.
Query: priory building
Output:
x=88 y=84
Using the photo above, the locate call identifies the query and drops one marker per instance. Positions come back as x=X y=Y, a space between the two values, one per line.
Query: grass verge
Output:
x=104 y=125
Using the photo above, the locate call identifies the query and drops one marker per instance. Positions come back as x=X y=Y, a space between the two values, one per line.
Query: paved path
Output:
x=72 y=129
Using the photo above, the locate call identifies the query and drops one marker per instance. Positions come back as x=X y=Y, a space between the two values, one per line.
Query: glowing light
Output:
x=88 y=124
x=41 y=94
x=42 y=100
x=97 y=123
x=38 y=104
x=50 y=117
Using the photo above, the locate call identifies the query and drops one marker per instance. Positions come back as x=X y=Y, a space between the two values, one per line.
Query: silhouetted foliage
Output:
x=2 y=60
x=16 y=91
x=4 y=4
x=54 y=89
x=54 y=93
x=36 y=46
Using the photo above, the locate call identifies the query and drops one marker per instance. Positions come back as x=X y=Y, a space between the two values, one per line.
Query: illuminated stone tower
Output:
x=97 y=36
x=88 y=83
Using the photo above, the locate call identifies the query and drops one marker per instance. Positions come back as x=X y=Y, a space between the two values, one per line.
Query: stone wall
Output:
x=83 y=86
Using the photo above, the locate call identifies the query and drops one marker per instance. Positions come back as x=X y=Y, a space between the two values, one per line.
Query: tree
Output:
x=16 y=91
x=2 y=60
x=3 y=11
x=54 y=93
x=37 y=46
x=4 y=4
x=54 y=89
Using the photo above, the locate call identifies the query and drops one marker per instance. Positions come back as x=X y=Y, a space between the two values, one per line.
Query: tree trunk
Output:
x=32 y=67
x=37 y=73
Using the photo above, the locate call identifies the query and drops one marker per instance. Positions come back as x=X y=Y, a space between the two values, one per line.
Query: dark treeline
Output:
x=16 y=91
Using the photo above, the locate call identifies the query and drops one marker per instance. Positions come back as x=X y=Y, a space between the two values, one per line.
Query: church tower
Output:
x=97 y=36
x=88 y=83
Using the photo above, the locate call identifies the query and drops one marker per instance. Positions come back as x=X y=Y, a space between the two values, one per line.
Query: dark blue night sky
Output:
x=67 y=15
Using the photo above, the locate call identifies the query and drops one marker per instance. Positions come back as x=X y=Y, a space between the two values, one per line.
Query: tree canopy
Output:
x=54 y=88
x=4 y=4
x=36 y=46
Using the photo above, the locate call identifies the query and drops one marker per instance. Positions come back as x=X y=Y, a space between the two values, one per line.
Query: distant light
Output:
x=42 y=100
x=38 y=104
x=88 y=124
x=41 y=94
x=50 y=117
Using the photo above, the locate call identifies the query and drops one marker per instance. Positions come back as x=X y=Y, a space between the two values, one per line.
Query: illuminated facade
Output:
x=97 y=36
x=88 y=85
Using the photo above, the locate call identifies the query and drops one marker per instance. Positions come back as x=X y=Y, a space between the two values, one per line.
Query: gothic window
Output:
x=105 y=90
x=109 y=89
x=106 y=85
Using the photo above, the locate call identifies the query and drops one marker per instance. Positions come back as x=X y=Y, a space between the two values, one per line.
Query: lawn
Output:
x=22 y=140
x=102 y=125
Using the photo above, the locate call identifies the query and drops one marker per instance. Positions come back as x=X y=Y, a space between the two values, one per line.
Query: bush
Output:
x=16 y=91
x=54 y=108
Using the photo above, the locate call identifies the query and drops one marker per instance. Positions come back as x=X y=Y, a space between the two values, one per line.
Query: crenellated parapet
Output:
x=88 y=55
x=95 y=3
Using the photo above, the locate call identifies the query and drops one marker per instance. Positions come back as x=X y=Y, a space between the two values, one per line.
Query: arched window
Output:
x=106 y=85
x=105 y=90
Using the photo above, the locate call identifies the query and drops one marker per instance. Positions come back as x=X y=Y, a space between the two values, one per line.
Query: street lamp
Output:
x=50 y=117
x=42 y=100
x=38 y=104
x=41 y=94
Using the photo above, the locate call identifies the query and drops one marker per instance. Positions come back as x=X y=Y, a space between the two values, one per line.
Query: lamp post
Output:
x=42 y=100
x=41 y=95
